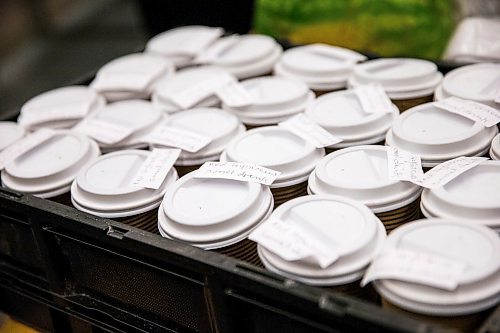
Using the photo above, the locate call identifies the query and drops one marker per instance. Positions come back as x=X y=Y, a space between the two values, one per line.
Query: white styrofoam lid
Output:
x=219 y=125
x=398 y=75
x=476 y=246
x=205 y=211
x=495 y=148
x=473 y=195
x=320 y=61
x=241 y=50
x=52 y=164
x=175 y=42
x=361 y=173
x=436 y=134
x=344 y=223
x=342 y=115
x=185 y=79
x=10 y=132
x=275 y=148
x=137 y=115
x=477 y=82
x=70 y=98
x=104 y=184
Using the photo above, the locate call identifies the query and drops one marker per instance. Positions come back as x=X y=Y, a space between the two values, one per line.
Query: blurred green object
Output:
x=411 y=28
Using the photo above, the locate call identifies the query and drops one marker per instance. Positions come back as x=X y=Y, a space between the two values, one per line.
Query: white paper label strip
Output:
x=403 y=165
x=22 y=146
x=199 y=91
x=103 y=131
x=234 y=94
x=310 y=131
x=445 y=172
x=200 y=40
x=417 y=267
x=219 y=47
x=237 y=171
x=155 y=168
x=373 y=99
x=53 y=113
x=481 y=113
x=292 y=243
x=179 y=138
x=337 y=53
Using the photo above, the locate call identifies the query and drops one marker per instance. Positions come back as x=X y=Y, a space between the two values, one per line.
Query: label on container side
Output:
x=416 y=267
x=198 y=91
x=481 y=113
x=403 y=165
x=238 y=171
x=233 y=94
x=373 y=99
x=292 y=243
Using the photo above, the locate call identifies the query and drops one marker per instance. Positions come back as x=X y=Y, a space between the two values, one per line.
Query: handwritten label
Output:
x=197 y=92
x=40 y=115
x=155 y=168
x=445 y=172
x=481 y=113
x=238 y=171
x=403 y=165
x=22 y=146
x=179 y=138
x=234 y=94
x=310 y=131
x=417 y=267
x=373 y=99
x=292 y=243
x=103 y=131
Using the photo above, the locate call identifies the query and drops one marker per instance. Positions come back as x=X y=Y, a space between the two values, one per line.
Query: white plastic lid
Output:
x=177 y=44
x=51 y=166
x=274 y=99
x=402 y=78
x=221 y=126
x=477 y=82
x=356 y=234
x=473 y=195
x=320 y=66
x=72 y=99
x=275 y=148
x=437 y=135
x=10 y=132
x=213 y=213
x=342 y=115
x=103 y=187
x=138 y=115
x=244 y=56
x=361 y=173
x=495 y=148
x=476 y=246
x=182 y=80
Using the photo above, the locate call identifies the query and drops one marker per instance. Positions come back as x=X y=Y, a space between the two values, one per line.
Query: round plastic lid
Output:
x=401 y=78
x=345 y=224
x=221 y=126
x=361 y=173
x=245 y=56
x=495 y=148
x=341 y=114
x=182 y=80
x=278 y=149
x=477 y=247
x=71 y=98
x=438 y=135
x=478 y=82
x=212 y=213
x=103 y=186
x=275 y=99
x=138 y=115
x=318 y=65
x=173 y=43
x=51 y=165
x=473 y=195
x=10 y=132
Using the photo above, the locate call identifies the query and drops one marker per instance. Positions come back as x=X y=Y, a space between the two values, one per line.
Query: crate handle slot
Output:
x=116 y=232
